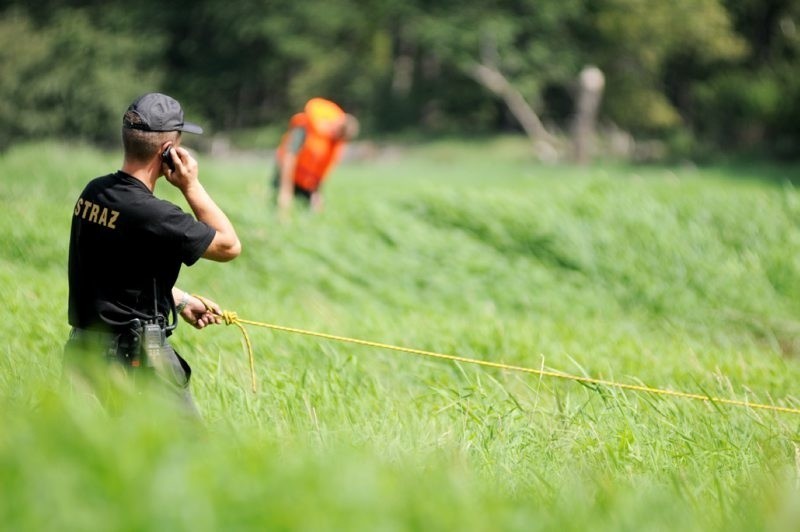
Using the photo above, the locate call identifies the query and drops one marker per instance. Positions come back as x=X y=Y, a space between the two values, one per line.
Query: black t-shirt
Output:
x=125 y=246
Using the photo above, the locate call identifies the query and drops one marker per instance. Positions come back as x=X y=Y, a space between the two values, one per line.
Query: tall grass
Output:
x=682 y=278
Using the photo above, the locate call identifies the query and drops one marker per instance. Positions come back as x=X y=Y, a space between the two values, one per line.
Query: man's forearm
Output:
x=286 y=188
x=225 y=245
x=206 y=210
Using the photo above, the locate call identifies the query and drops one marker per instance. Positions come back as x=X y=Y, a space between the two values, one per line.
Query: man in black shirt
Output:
x=127 y=247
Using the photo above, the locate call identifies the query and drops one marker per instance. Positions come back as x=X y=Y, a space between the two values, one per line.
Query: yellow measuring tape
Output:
x=231 y=318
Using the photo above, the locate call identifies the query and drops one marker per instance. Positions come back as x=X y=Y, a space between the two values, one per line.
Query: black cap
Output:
x=159 y=112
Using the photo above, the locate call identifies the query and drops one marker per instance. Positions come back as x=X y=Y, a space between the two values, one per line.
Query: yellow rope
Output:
x=231 y=318
x=250 y=355
x=236 y=321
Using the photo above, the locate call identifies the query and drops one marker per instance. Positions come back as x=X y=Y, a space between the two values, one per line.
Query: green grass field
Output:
x=680 y=278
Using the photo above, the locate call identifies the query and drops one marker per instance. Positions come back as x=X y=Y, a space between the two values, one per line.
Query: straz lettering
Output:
x=95 y=213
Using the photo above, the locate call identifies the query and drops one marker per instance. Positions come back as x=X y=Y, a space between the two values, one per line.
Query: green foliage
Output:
x=738 y=100
x=641 y=37
x=69 y=67
x=682 y=278
x=533 y=43
x=68 y=77
x=742 y=110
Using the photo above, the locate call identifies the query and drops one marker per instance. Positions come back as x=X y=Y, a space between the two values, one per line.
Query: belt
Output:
x=122 y=345
x=87 y=335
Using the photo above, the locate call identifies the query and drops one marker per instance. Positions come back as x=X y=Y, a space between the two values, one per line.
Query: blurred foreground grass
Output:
x=683 y=278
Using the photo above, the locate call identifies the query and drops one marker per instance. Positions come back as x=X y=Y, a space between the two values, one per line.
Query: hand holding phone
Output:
x=166 y=158
x=183 y=173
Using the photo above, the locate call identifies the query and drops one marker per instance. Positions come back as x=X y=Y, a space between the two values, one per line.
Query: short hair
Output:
x=350 y=127
x=141 y=145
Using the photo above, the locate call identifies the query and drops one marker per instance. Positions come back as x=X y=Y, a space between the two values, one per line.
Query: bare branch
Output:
x=493 y=80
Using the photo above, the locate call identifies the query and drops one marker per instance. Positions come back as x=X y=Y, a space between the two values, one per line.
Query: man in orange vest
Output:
x=308 y=151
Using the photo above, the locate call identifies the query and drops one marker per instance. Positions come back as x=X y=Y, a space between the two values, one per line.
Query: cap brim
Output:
x=192 y=128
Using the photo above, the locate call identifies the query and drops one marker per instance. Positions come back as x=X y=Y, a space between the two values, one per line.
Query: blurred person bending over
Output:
x=308 y=151
x=125 y=252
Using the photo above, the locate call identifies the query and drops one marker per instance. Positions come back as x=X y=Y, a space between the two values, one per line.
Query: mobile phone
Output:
x=166 y=157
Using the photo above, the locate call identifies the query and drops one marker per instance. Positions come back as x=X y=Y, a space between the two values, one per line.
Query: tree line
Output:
x=702 y=76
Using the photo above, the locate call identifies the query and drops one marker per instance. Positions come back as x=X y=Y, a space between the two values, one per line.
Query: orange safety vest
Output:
x=320 y=150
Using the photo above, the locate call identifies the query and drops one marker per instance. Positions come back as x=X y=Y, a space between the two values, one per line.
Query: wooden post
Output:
x=590 y=91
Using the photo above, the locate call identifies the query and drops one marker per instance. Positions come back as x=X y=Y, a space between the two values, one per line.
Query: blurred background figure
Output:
x=308 y=151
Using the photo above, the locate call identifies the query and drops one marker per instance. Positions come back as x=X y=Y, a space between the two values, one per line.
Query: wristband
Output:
x=183 y=303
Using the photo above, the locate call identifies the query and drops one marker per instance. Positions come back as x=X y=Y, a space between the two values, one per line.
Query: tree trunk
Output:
x=497 y=83
x=590 y=91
